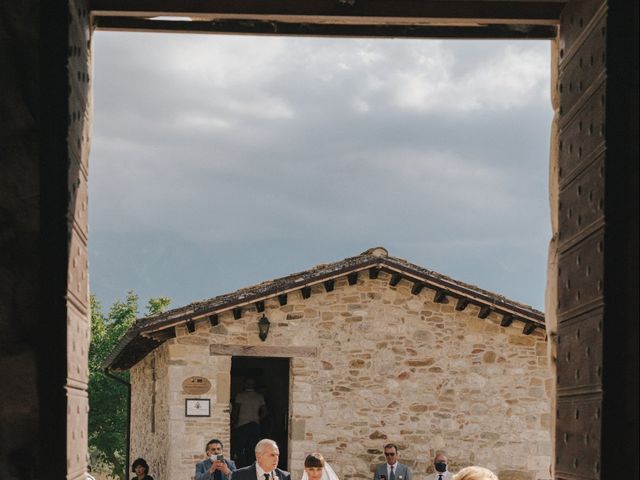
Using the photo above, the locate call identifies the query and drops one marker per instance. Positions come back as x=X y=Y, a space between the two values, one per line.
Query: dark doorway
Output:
x=261 y=379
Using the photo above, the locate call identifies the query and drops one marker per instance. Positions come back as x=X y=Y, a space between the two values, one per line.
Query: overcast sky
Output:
x=218 y=162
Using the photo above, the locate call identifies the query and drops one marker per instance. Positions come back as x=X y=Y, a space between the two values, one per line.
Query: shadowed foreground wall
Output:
x=44 y=328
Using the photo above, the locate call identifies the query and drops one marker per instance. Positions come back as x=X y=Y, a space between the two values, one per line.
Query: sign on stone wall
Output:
x=196 y=385
x=197 y=407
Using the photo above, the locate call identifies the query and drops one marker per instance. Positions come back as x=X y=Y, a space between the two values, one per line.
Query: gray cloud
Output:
x=222 y=161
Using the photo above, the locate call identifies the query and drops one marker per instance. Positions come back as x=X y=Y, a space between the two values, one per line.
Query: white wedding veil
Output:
x=327 y=473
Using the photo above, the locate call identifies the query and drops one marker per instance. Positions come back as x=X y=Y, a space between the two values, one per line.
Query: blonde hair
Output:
x=475 y=473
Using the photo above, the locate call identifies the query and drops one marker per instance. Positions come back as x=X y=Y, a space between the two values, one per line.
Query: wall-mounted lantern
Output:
x=263 y=327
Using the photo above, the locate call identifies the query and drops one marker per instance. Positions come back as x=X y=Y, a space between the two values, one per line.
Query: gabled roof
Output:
x=149 y=332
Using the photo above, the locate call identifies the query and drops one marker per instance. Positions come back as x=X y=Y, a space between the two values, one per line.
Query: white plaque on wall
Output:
x=197 y=407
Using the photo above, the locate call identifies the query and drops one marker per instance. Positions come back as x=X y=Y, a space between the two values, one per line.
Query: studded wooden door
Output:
x=594 y=171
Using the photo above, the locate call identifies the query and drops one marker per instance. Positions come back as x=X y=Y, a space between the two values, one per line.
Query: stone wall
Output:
x=390 y=367
x=150 y=429
x=190 y=357
x=178 y=442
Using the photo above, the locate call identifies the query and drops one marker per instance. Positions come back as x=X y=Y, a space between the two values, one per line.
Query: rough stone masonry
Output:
x=387 y=366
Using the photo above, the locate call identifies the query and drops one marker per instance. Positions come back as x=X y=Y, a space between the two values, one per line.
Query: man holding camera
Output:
x=215 y=467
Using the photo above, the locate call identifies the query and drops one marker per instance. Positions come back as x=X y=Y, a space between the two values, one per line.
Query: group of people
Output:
x=267 y=454
x=392 y=469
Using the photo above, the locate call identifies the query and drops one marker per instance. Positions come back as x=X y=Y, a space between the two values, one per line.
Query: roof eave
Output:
x=142 y=330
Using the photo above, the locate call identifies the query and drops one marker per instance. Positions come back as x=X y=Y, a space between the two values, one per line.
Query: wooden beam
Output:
x=440 y=296
x=374 y=272
x=528 y=328
x=284 y=28
x=214 y=320
x=237 y=313
x=306 y=292
x=484 y=312
x=191 y=326
x=162 y=335
x=461 y=304
x=352 y=278
x=506 y=320
x=417 y=288
x=282 y=299
x=260 y=306
x=353 y=12
x=328 y=285
x=263 y=351
x=395 y=279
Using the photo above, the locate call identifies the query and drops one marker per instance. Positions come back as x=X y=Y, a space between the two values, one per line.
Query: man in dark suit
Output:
x=215 y=467
x=391 y=469
x=266 y=465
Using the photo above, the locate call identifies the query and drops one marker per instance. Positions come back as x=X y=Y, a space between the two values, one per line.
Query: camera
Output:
x=216 y=458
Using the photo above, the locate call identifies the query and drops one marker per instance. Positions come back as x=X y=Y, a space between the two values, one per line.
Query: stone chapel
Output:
x=349 y=356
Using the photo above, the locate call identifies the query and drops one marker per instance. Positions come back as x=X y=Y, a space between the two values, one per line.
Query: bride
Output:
x=315 y=468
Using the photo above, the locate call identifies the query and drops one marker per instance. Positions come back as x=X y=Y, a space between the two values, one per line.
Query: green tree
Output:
x=108 y=397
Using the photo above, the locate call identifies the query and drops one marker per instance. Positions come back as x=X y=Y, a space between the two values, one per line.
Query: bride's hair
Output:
x=475 y=473
x=314 y=460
